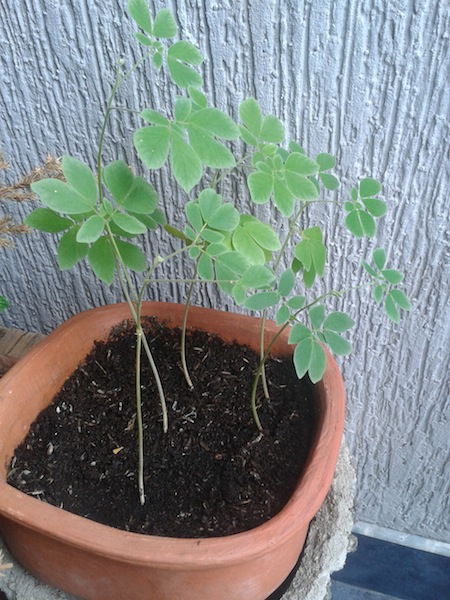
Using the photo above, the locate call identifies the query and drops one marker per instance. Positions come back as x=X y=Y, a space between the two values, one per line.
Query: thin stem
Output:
x=148 y=352
x=139 y=417
x=261 y=354
x=183 y=331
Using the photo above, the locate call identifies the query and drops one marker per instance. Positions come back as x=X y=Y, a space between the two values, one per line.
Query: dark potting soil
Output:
x=212 y=474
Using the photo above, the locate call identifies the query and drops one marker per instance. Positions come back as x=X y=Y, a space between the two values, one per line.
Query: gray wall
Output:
x=366 y=80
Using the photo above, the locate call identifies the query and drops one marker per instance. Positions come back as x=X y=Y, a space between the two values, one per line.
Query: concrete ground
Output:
x=325 y=552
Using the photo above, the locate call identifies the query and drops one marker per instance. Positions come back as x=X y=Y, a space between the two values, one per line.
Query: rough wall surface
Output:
x=365 y=80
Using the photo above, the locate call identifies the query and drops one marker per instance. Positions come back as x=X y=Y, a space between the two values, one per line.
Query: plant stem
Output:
x=183 y=330
x=261 y=354
x=139 y=417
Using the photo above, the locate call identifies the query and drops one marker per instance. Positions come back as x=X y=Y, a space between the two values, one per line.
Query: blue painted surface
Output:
x=394 y=571
x=344 y=591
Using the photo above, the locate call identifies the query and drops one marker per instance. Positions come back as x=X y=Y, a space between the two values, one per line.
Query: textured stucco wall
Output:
x=366 y=80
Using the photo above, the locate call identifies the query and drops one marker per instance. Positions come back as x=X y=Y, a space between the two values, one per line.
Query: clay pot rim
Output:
x=167 y=552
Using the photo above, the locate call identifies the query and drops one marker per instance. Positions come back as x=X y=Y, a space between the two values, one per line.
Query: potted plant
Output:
x=101 y=215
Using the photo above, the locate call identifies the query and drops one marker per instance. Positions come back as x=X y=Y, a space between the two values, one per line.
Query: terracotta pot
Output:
x=97 y=562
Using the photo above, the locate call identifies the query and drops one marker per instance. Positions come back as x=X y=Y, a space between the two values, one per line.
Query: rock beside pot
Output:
x=329 y=540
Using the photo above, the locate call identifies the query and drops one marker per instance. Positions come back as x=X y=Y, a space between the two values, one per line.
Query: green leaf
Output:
x=143 y=39
x=216 y=249
x=282 y=315
x=60 y=197
x=91 y=230
x=329 y=181
x=272 y=130
x=377 y=208
x=129 y=223
x=379 y=258
x=209 y=202
x=317 y=316
x=80 y=178
x=369 y=269
x=239 y=294
x=247 y=137
x=391 y=309
x=193 y=213
x=309 y=277
x=300 y=186
x=301 y=164
x=392 y=276
x=3 y=303
x=338 y=322
x=101 y=258
x=244 y=243
x=257 y=276
x=186 y=52
x=211 y=152
x=226 y=218
x=296 y=302
x=302 y=252
x=229 y=268
x=183 y=108
x=325 y=161
x=260 y=186
x=139 y=11
x=46 y=220
x=250 y=115
x=183 y=75
x=197 y=97
x=132 y=256
x=283 y=198
x=369 y=187
x=141 y=198
x=205 y=267
x=165 y=25
x=262 y=233
x=318 y=362
x=152 y=145
x=69 y=250
x=186 y=166
x=118 y=179
x=378 y=293
x=354 y=224
x=194 y=252
x=318 y=254
x=298 y=333
x=368 y=223
x=216 y=123
x=401 y=299
x=157 y=60
x=262 y=300
x=153 y=117
x=212 y=237
x=286 y=282
x=337 y=343
x=302 y=356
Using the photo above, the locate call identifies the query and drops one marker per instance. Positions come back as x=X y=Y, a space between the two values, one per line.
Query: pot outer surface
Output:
x=97 y=562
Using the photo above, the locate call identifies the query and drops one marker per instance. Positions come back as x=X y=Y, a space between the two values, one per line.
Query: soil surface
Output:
x=212 y=474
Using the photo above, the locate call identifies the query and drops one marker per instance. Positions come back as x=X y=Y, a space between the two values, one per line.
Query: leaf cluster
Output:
x=97 y=226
